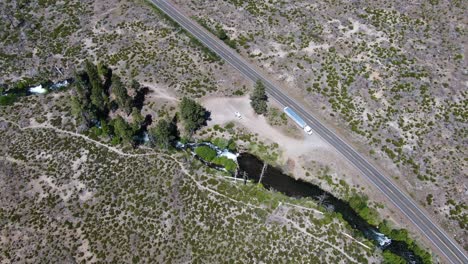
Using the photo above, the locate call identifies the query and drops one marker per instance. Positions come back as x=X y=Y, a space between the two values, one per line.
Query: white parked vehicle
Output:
x=308 y=130
x=289 y=112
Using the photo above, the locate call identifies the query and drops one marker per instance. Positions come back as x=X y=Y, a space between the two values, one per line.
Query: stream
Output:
x=275 y=179
x=38 y=89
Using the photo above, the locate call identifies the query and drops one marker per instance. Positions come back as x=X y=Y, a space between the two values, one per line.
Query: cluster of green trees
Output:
x=164 y=133
x=403 y=235
x=193 y=116
x=259 y=99
x=390 y=258
x=223 y=143
x=91 y=104
x=208 y=154
x=360 y=205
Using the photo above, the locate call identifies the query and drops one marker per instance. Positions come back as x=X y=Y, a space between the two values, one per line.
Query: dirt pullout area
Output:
x=223 y=111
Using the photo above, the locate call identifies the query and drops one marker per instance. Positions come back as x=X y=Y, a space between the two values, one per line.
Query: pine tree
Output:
x=259 y=99
x=82 y=90
x=124 y=101
x=164 y=133
x=122 y=129
x=98 y=96
x=104 y=71
x=135 y=85
x=106 y=128
x=137 y=118
x=76 y=108
x=193 y=114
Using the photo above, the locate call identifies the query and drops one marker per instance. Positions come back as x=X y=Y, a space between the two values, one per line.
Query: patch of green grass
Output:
x=7 y=99
x=228 y=164
x=206 y=153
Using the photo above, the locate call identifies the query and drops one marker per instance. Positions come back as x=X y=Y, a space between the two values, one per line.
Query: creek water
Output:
x=275 y=179
x=40 y=88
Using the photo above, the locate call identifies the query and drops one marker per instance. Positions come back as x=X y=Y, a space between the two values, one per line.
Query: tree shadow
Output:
x=207 y=117
x=148 y=121
x=174 y=130
x=107 y=80
x=139 y=98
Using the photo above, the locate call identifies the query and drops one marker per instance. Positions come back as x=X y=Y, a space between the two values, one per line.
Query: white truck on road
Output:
x=289 y=112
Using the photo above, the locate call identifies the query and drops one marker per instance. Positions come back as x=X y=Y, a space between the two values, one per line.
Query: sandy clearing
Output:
x=277 y=50
x=65 y=191
x=313 y=46
x=223 y=111
x=84 y=247
x=77 y=163
x=158 y=91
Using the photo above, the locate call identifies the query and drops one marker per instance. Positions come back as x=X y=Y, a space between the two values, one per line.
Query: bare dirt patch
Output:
x=223 y=111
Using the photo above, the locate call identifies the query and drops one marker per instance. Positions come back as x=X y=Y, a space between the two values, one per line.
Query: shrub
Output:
x=238 y=93
x=232 y=146
x=429 y=199
x=218 y=128
x=229 y=125
x=206 y=153
x=221 y=143
x=390 y=258
x=228 y=164
x=7 y=99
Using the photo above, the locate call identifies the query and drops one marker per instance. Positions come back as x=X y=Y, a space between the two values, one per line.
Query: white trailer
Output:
x=289 y=112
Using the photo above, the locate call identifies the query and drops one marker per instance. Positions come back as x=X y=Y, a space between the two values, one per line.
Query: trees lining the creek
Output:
x=106 y=106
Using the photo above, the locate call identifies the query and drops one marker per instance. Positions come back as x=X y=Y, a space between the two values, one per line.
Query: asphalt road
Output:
x=450 y=249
